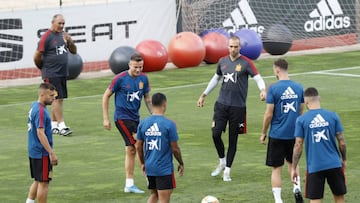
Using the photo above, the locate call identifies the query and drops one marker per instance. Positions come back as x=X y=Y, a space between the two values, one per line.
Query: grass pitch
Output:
x=91 y=160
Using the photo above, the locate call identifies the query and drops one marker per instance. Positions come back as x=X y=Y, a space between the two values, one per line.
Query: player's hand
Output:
x=294 y=176
x=107 y=124
x=263 y=138
x=67 y=37
x=263 y=95
x=142 y=166
x=181 y=169
x=53 y=159
x=200 y=102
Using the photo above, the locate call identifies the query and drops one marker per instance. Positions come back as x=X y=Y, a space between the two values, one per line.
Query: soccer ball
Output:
x=210 y=199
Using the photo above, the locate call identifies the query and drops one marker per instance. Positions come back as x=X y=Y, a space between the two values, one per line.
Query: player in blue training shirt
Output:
x=284 y=103
x=40 y=144
x=157 y=142
x=320 y=129
x=129 y=87
x=51 y=57
x=230 y=107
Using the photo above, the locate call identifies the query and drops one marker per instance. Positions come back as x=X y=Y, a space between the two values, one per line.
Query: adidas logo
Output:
x=242 y=17
x=318 y=121
x=153 y=130
x=329 y=16
x=289 y=94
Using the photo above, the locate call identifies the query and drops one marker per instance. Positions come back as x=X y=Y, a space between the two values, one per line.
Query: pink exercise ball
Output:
x=216 y=45
x=186 y=49
x=154 y=54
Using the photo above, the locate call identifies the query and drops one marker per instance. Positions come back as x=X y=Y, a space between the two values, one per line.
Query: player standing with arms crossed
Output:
x=234 y=71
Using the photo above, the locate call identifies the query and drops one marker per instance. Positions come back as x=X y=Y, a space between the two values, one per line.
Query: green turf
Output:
x=91 y=161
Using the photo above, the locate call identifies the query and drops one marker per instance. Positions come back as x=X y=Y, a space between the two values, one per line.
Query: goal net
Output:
x=313 y=24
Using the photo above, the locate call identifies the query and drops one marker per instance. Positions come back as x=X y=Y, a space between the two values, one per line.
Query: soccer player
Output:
x=40 y=144
x=129 y=87
x=320 y=129
x=51 y=58
x=157 y=142
x=284 y=103
x=230 y=106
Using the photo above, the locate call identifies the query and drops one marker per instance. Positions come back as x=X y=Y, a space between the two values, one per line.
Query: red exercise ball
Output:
x=186 y=49
x=154 y=54
x=216 y=45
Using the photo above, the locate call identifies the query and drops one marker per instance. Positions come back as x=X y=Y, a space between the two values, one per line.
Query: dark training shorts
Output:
x=161 y=182
x=127 y=129
x=41 y=169
x=60 y=85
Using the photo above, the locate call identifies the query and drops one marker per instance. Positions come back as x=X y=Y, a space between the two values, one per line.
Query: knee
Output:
x=131 y=150
x=216 y=133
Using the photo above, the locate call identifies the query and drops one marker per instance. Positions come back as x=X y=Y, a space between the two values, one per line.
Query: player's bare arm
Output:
x=70 y=43
x=342 y=146
x=266 y=122
x=105 y=108
x=298 y=147
x=177 y=154
x=38 y=59
x=45 y=143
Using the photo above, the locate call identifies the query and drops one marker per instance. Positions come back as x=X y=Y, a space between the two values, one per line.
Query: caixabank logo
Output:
x=243 y=17
x=327 y=16
x=11 y=47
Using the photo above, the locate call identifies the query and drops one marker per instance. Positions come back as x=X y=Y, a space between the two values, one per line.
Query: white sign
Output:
x=96 y=29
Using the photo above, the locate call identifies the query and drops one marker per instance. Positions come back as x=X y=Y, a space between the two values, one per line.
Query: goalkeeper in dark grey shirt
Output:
x=234 y=70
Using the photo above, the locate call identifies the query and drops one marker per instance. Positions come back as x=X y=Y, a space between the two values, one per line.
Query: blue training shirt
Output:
x=157 y=132
x=286 y=96
x=318 y=128
x=129 y=92
x=39 y=117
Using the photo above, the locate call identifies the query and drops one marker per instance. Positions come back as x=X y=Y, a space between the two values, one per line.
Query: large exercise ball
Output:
x=154 y=54
x=120 y=57
x=186 y=49
x=277 y=39
x=251 y=43
x=74 y=66
x=216 y=46
x=218 y=30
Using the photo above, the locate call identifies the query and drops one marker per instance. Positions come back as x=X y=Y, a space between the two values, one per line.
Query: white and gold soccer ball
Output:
x=210 y=199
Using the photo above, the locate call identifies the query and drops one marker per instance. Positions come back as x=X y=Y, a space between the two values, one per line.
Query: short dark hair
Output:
x=311 y=92
x=136 y=57
x=158 y=99
x=281 y=63
x=47 y=86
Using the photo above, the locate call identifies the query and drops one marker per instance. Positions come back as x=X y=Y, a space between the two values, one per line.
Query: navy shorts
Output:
x=161 y=182
x=315 y=183
x=60 y=85
x=278 y=150
x=127 y=129
x=236 y=116
x=41 y=169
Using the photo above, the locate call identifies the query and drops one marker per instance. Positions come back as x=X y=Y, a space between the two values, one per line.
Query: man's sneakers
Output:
x=133 y=189
x=226 y=177
x=298 y=196
x=218 y=170
x=64 y=132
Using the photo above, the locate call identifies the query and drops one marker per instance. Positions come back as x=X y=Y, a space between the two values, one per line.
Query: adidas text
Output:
x=319 y=124
x=153 y=133
x=291 y=96
x=327 y=23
